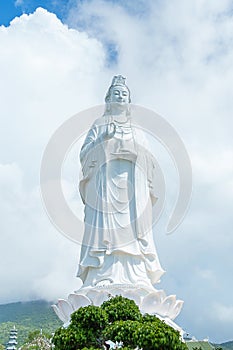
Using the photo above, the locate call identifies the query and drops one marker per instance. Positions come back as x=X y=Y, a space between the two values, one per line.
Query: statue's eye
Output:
x=125 y=93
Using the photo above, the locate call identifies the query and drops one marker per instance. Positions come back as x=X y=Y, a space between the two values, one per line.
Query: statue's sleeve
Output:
x=89 y=142
x=151 y=169
x=87 y=159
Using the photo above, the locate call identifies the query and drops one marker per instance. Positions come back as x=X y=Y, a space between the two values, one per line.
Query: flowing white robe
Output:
x=117 y=190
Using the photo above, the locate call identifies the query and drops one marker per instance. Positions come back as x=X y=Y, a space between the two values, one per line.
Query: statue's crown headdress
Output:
x=118 y=80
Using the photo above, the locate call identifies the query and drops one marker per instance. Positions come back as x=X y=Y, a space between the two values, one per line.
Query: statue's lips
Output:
x=119 y=102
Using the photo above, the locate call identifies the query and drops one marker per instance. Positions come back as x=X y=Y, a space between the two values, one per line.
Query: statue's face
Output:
x=119 y=94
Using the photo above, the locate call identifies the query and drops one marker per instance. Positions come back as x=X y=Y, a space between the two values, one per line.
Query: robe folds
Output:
x=117 y=189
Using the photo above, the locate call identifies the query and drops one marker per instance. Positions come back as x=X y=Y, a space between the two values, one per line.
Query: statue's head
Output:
x=118 y=92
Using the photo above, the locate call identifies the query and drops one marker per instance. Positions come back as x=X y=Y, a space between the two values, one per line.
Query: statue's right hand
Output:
x=110 y=131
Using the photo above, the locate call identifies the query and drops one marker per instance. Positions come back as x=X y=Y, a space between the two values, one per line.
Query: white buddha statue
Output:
x=118 y=192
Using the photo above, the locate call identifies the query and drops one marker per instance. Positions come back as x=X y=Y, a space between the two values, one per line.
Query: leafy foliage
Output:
x=121 y=309
x=85 y=330
x=36 y=334
x=91 y=317
x=124 y=331
x=39 y=342
x=118 y=319
x=151 y=334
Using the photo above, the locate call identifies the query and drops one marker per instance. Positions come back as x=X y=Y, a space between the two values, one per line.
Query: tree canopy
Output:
x=118 y=319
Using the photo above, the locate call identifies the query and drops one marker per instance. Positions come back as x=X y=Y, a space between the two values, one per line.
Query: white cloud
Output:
x=177 y=57
x=19 y=2
x=29 y=244
x=49 y=72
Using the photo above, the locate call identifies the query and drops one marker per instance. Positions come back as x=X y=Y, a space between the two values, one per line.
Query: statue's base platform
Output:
x=149 y=300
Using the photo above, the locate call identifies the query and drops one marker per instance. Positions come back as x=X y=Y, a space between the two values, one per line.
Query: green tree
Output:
x=85 y=329
x=151 y=334
x=35 y=334
x=125 y=331
x=37 y=340
x=121 y=309
x=117 y=319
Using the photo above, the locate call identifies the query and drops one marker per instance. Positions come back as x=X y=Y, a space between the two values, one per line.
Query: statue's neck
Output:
x=119 y=110
x=120 y=117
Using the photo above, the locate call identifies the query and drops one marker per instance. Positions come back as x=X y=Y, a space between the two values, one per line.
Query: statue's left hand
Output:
x=110 y=131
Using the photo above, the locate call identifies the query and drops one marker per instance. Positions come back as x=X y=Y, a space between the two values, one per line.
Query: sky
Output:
x=57 y=58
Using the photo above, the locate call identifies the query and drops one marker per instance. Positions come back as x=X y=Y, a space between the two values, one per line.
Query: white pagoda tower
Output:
x=12 y=342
